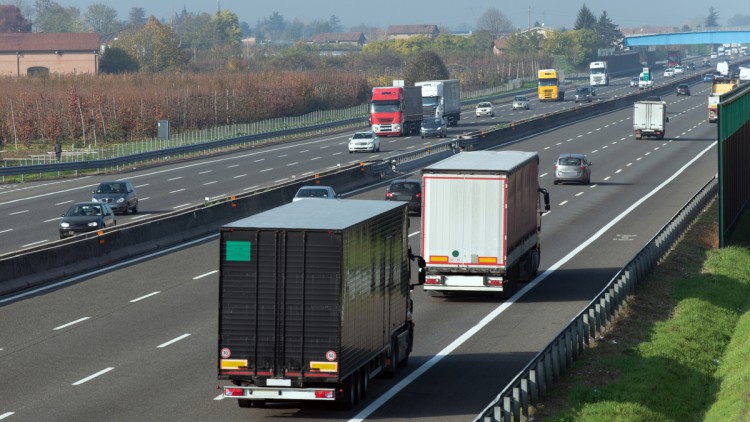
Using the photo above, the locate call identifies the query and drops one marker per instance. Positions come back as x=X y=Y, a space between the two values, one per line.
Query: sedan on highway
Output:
x=520 y=102
x=485 y=109
x=634 y=82
x=433 y=127
x=366 y=141
x=572 y=168
x=683 y=89
x=669 y=72
x=84 y=217
x=315 y=192
x=409 y=190
x=585 y=93
x=120 y=195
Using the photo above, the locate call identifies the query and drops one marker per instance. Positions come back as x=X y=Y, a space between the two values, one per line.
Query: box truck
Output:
x=396 y=110
x=598 y=73
x=650 y=119
x=442 y=99
x=314 y=301
x=551 y=85
x=481 y=222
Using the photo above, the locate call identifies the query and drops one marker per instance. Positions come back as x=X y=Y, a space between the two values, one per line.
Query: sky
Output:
x=453 y=14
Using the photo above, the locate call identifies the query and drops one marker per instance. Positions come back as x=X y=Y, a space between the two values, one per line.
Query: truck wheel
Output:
x=364 y=380
x=350 y=391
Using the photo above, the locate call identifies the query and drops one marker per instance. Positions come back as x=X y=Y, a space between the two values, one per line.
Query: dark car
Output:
x=409 y=190
x=120 y=195
x=585 y=93
x=433 y=127
x=683 y=89
x=708 y=77
x=572 y=168
x=85 y=217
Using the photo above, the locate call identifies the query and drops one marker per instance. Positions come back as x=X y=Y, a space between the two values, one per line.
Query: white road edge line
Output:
x=71 y=323
x=138 y=299
x=174 y=340
x=376 y=404
x=219 y=397
x=6 y=414
x=90 y=377
x=205 y=275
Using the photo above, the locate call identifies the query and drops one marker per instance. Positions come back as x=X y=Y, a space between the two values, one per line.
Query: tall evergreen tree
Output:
x=712 y=18
x=585 y=19
x=608 y=32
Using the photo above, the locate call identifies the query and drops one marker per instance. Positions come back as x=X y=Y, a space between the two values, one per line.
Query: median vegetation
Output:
x=679 y=350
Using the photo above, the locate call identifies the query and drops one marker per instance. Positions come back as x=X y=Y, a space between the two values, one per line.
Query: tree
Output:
x=585 y=19
x=334 y=23
x=53 y=18
x=12 y=21
x=712 y=20
x=102 y=19
x=522 y=44
x=117 y=60
x=739 y=20
x=155 y=47
x=424 y=66
x=494 y=22
x=227 y=27
x=137 y=17
x=608 y=33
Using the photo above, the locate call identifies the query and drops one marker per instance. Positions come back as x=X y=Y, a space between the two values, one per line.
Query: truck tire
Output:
x=364 y=380
x=349 y=398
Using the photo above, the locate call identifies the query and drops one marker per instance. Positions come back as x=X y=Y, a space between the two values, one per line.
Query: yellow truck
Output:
x=551 y=85
x=720 y=86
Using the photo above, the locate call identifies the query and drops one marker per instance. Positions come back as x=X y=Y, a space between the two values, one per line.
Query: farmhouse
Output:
x=29 y=54
x=396 y=32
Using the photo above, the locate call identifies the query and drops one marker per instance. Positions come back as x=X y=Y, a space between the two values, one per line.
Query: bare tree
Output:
x=494 y=22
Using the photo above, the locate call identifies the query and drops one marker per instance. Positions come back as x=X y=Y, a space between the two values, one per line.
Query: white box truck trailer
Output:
x=481 y=219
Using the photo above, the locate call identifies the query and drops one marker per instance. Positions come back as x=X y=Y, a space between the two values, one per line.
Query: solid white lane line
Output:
x=64 y=202
x=53 y=219
x=251 y=187
x=139 y=216
x=175 y=340
x=18 y=212
x=138 y=299
x=34 y=243
x=90 y=377
x=71 y=323
x=6 y=231
x=198 y=277
x=180 y=206
x=280 y=180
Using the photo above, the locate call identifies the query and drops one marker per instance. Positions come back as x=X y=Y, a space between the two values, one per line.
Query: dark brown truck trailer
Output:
x=314 y=300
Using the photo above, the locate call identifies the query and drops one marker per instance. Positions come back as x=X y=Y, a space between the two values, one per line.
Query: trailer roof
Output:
x=506 y=161
x=317 y=214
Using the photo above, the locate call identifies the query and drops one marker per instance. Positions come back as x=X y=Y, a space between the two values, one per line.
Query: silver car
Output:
x=585 y=93
x=520 y=102
x=433 y=127
x=120 y=195
x=366 y=141
x=315 y=192
x=485 y=109
x=572 y=168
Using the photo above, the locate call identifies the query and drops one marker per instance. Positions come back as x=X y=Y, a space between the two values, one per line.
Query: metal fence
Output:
x=553 y=362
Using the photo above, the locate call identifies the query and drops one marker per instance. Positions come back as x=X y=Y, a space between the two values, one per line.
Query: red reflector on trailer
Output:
x=234 y=392
x=495 y=282
x=432 y=280
x=323 y=394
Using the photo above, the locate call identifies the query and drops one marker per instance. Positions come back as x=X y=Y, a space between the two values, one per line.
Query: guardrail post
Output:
x=556 y=362
x=516 y=404
x=533 y=386
x=524 y=398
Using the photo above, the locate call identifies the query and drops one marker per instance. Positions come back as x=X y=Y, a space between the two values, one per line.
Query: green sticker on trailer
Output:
x=238 y=250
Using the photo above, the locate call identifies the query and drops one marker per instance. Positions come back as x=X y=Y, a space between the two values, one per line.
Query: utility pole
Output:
x=529 y=18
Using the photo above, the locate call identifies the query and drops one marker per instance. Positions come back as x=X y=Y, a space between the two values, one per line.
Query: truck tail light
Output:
x=432 y=280
x=496 y=282
x=234 y=392
x=323 y=394
x=388 y=195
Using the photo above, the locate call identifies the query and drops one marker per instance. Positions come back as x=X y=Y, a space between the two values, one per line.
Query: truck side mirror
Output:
x=545 y=195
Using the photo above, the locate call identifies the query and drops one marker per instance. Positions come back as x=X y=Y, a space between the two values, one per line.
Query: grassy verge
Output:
x=679 y=350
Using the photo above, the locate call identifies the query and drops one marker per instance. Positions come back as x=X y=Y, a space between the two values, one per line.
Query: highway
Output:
x=30 y=213
x=139 y=342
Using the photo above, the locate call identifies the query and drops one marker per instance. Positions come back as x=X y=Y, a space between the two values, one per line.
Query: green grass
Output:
x=680 y=350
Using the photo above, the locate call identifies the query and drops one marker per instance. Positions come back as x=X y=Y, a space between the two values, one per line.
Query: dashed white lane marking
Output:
x=198 y=277
x=71 y=323
x=138 y=299
x=90 y=377
x=174 y=340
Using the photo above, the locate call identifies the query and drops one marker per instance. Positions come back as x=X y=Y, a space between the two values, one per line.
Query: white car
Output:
x=366 y=141
x=679 y=70
x=669 y=72
x=485 y=109
x=315 y=192
x=520 y=102
x=634 y=82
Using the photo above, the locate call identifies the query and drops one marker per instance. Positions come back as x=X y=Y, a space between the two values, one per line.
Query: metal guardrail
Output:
x=547 y=367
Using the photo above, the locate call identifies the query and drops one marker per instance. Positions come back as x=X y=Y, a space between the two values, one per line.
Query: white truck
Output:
x=650 y=119
x=442 y=98
x=481 y=222
x=723 y=68
x=598 y=75
x=744 y=74
x=645 y=79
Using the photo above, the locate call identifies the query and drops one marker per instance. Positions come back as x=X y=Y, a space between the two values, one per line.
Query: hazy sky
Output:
x=449 y=13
